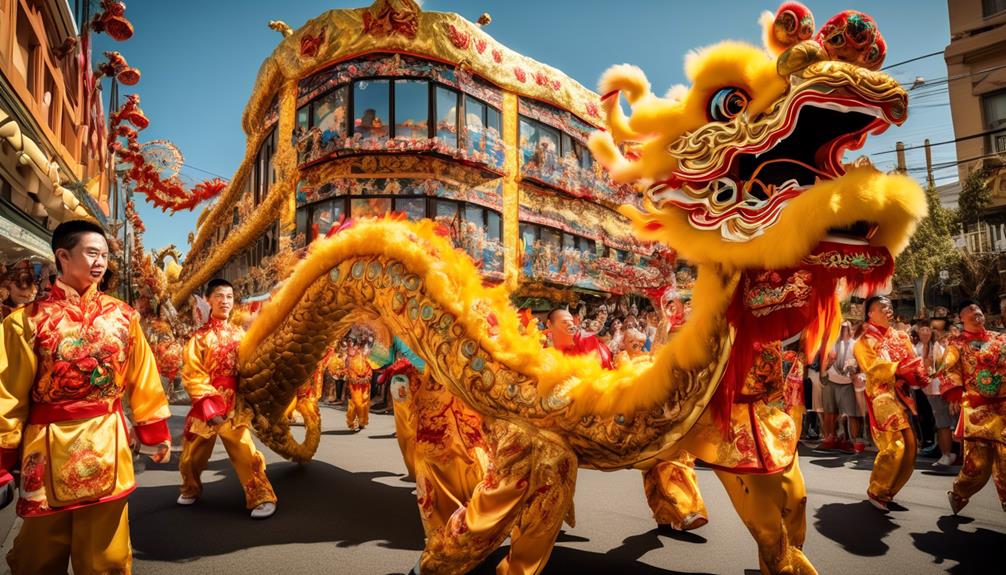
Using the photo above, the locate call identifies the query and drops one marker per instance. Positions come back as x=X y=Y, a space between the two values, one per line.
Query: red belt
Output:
x=225 y=382
x=46 y=413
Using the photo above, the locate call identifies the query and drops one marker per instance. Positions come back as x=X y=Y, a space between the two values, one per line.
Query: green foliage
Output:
x=976 y=196
x=931 y=249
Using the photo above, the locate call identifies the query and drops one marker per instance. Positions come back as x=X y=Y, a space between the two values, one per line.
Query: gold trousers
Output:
x=773 y=507
x=405 y=433
x=672 y=491
x=894 y=463
x=94 y=539
x=358 y=407
x=526 y=494
x=246 y=459
x=982 y=459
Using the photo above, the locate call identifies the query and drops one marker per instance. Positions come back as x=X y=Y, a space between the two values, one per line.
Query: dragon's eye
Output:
x=727 y=103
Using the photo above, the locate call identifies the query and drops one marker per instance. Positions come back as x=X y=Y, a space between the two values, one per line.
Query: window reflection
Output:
x=413 y=208
x=369 y=207
x=412 y=109
x=447 y=116
x=324 y=215
x=370 y=105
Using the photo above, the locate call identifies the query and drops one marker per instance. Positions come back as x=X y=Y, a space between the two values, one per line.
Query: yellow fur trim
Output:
x=455 y=283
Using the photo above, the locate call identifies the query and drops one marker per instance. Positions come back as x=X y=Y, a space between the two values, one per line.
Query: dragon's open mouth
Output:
x=809 y=151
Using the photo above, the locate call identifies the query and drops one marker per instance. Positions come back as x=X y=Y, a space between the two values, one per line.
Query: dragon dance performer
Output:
x=358 y=374
x=973 y=371
x=888 y=359
x=401 y=397
x=67 y=361
x=209 y=375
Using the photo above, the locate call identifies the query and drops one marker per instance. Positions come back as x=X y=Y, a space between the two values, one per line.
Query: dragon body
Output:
x=744 y=178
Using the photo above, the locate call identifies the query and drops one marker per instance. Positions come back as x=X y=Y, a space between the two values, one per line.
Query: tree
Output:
x=977 y=276
x=930 y=251
x=975 y=198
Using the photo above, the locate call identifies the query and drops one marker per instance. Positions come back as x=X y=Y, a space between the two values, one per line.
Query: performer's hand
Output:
x=216 y=420
x=955 y=407
x=162 y=454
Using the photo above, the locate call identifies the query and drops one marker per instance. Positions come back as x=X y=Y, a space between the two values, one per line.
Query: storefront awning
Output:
x=18 y=242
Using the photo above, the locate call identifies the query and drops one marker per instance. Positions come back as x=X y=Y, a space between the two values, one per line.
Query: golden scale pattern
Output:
x=376 y=286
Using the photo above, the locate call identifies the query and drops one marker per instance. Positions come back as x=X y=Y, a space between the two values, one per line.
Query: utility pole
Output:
x=901 y=169
x=930 y=180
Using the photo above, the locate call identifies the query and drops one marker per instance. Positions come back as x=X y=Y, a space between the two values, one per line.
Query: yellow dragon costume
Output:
x=745 y=180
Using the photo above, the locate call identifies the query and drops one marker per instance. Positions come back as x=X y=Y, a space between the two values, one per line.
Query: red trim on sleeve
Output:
x=153 y=433
x=209 y=406
x=953 y=395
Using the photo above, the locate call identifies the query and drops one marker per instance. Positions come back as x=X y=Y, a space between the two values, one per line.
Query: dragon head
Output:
x=744 y=168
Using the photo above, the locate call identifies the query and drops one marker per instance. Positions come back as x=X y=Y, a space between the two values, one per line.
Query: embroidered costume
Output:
x=68 y=360
x=888 y=359
x=209 y=375
x=973 y=372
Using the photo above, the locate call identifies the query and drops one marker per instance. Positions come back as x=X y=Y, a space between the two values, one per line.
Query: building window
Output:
x=413 y=208
x=369 y=207
x=539 y=144
x=26 y=60
x=482 y=131
x=412 y=109
x=371 y=100
x=321 y=125
x=322 y=216
x=994 y=107
x=446 y=114
x=992 y=7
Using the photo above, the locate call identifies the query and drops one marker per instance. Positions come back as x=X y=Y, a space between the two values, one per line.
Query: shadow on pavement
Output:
x=565 y=560
x=971 y=551
x=858 y=527
x=317 y=502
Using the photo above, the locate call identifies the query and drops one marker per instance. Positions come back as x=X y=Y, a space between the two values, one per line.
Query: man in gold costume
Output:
x=888 y=359
x=67 y=361
x=209 y=375
x=972 y=378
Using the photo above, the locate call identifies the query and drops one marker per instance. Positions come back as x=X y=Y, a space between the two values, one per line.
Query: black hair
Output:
x=214 y=284
x=965 y=304
x=869 y=304
x=67 y=235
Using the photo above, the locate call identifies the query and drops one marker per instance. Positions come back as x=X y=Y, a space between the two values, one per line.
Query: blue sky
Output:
x=199 y=60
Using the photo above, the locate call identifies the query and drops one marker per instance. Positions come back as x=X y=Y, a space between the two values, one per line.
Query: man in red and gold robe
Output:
x=888 y=359
x=974 y=367
x=209 y=374
x=67 y=362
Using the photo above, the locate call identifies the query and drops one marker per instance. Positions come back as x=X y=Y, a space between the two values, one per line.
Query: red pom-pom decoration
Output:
x=853 y=37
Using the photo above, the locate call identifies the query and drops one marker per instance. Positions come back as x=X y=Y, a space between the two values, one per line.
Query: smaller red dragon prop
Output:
x=165 y=193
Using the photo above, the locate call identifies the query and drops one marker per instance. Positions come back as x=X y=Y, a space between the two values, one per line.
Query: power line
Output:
x=190 y=166
x=954 y=141
x=923 y=57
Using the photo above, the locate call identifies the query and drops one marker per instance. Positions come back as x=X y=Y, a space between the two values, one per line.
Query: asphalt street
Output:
x=349 y=511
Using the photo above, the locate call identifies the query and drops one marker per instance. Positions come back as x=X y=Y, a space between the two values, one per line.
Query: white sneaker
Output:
x=263 y=510
x=183 y=500
x=946 y=461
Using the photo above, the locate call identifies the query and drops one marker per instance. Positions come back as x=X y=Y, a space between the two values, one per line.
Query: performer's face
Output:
x=973 y=318
x=221 y=302
x=881 y=313
x=84 y=265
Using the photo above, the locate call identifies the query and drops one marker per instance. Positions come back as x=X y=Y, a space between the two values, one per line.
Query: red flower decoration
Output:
x=540 y=78
x=519 y=72
x=309 y=45
x=480 y=45
x=592 y=110
x=556 y=84
x=497 y=56
x=458 y=38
